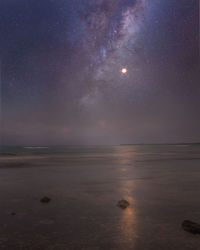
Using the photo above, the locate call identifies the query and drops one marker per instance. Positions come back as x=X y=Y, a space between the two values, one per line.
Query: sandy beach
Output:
x=161 y=183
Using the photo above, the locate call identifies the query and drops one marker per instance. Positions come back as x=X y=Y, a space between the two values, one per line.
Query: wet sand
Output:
x=161 y=182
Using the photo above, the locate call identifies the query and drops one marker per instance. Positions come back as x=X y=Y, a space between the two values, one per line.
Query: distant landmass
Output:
x=177 y=143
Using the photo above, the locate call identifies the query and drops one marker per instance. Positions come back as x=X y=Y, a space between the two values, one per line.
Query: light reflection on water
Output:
x=128 y=215
x=127 y=224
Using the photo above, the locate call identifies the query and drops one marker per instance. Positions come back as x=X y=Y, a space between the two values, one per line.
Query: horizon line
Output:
x=120 y=144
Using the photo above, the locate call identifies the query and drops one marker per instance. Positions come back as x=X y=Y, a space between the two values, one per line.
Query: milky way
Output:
x=61 y=73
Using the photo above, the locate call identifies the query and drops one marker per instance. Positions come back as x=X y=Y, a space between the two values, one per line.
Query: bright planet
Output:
x=124 y=70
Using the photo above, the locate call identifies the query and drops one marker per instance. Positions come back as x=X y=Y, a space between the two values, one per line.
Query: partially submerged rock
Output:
x=45 y=199
x=191 y=227
x=123 y=204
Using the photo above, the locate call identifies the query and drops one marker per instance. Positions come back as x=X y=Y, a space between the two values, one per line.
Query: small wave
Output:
x=36 y=147
x=8 y=154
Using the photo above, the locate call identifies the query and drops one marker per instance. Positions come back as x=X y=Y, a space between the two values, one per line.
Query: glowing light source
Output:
x=124 y=70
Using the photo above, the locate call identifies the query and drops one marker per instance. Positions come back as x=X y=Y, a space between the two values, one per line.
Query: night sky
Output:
x=61 y=79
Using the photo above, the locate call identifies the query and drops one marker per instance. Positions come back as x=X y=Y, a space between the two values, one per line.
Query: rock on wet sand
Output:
x=45 y=199
x=191 y=227
x=123 y=204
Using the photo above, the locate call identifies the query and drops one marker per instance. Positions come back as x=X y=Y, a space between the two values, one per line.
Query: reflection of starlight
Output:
x=124 y=70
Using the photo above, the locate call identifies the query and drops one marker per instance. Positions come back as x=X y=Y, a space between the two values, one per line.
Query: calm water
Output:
x=161 y=182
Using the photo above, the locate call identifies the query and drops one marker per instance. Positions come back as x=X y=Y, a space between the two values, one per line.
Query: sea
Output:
x=85 y=183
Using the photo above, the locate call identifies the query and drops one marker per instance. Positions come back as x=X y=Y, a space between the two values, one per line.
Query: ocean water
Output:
x=161 y=182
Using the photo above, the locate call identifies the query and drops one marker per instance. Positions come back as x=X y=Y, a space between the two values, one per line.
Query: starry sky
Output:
x=61 y=79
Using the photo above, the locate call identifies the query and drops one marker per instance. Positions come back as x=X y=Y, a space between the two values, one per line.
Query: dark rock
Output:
x=13 y=213
x=123 y=204
x=191 y=227
x=45 y=199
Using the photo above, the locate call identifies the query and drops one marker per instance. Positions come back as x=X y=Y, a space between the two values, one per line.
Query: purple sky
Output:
x=61 y=80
